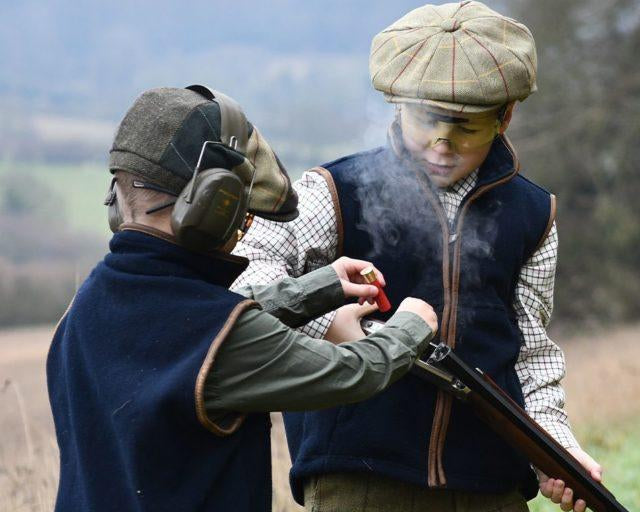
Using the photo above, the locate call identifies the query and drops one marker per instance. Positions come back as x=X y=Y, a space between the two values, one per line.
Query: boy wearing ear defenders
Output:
x=160 y=378
x=443 y=211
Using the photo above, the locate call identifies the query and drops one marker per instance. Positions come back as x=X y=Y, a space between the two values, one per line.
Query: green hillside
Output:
x=79 y=190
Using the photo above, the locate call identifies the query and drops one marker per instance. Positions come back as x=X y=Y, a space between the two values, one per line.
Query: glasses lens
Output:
x=433 y=126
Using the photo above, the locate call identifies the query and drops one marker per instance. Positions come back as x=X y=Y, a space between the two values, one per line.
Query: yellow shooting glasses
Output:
x=465 y=132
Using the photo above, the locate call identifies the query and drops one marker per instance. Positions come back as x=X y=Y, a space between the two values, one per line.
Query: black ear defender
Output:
x=212 y=207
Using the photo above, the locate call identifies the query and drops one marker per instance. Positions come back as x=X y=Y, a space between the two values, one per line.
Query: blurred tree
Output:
x=42 y=260
x=579 y=137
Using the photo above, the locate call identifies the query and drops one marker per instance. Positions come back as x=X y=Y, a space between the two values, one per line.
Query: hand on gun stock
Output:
x=346 y=325
x=558 y=492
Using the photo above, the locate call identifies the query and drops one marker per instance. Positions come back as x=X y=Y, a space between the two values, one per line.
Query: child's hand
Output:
x=422 y=309
x=348 y=271
x=346 y=324
x=556 y=490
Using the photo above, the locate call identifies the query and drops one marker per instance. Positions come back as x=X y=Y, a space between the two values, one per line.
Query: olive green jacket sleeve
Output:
x=297 y=301
x=264 y=365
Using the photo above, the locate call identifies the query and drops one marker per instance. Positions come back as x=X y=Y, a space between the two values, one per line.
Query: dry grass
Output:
x=602 y=382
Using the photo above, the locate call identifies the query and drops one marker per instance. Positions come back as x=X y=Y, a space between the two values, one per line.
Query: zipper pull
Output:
x=453 y=237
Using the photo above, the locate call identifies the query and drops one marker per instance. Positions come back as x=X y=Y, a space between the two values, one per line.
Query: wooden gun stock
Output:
x=514 y=425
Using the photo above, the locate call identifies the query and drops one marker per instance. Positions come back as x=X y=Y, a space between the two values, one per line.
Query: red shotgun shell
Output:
x=381 y=299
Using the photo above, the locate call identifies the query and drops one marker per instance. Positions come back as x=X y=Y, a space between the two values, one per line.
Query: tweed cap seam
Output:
x=498 y=66
x=516 y=56
x=430 y=59
x=475 y=72
x=531 y=74
x=435 y=11
x=462 y=4
x=179 y=155
x=205 y=117
x=411 y=60
x=399 y=54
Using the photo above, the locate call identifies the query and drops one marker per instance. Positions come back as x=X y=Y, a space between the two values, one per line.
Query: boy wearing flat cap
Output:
x=160 y=378
x=444 y=212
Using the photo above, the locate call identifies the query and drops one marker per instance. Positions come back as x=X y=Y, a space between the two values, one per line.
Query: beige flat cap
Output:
x=457 y=56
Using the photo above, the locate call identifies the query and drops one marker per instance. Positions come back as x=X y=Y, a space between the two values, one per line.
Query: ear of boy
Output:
x=506 y=119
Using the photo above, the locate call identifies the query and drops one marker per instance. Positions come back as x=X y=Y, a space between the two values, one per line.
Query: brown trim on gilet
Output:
x=205 y=369
x=442 y=412
x=55 y=331
x=214 y=425
x=336 y=205
x=167 y=237
x=552 y=218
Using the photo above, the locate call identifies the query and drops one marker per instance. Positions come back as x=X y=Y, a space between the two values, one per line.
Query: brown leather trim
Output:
x=552 y=218
x=455 y=279
x=55 y=331
x=512 y=150
x=447 y=402
x=435 y=470
x=336 y=205
x=143 y=228
x=444 y=224
x=444 y=402
x=206 y=368
x=434 y=477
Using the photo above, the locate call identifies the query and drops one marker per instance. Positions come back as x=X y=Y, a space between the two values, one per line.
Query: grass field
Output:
x=81 y=188
x=602 y=387
x=617 y=447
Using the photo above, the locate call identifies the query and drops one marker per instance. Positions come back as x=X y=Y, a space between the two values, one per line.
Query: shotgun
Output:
x=448 y=372
x=490 y=403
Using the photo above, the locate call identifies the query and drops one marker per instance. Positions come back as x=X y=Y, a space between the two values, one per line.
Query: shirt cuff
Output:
x=560 y=432
x=414 y=325
x=322 y=290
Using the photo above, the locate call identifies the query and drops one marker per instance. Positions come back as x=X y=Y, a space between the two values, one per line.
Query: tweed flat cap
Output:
x=162 y=134
x=457 y=56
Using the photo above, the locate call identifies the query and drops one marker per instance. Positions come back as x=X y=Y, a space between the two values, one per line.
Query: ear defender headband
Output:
x=212 y=207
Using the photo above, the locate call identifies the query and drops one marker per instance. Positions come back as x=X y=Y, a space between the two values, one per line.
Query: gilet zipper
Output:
x=451 y=281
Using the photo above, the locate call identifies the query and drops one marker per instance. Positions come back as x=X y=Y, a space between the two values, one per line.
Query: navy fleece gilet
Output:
x=387 y=218
x=123 y=376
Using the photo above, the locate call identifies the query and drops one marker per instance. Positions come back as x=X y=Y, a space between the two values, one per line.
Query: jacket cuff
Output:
x=322 y=289
x=413 y=325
